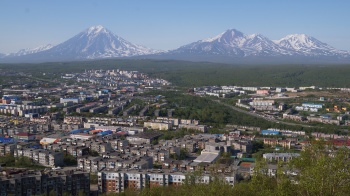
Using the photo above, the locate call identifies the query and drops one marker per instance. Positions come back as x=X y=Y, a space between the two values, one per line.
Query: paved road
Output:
x=259 y=116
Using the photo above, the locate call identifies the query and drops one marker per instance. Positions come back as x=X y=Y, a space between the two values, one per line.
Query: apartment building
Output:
x=98 y=109
x=143 y=138
x=73 y=120
x=20 y=183
x=201 y=128
x=244 y=146
x=293 y=117
x=95 y=164
x=261 y=102
x=158 y=125
x=21 y=110
x=116 y=181
x=44 y=157
x=99 y=147
x=6 y=149
x=119 y=145
x=274 y=142
x=285 y=157
x=86 y=108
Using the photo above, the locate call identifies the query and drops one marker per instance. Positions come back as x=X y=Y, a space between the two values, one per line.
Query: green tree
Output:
x=93 y=178
x=93 y=153
x=323 y=170
x=69 y=160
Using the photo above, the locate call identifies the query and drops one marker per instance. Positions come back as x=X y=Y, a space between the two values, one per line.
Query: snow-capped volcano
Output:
x=227 y=43
x=306 y=45
x=230 y=46
x=233 y=43
x=230 y=37
x=98 y=42
x=93 y=43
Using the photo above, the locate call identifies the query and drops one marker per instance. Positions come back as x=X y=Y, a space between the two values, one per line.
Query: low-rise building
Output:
x=143 y=138
x=158 y=125
x=270 y=132
x=285 y=157
x=201 y=128
x=277 y=142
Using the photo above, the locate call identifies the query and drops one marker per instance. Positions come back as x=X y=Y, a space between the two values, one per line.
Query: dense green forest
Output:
x=191 y=74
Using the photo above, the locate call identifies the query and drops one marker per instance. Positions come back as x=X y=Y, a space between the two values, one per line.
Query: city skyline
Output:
x=165 y=26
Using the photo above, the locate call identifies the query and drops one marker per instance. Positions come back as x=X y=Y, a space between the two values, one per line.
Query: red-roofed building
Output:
x=24 y=136
x=262 y=92
x=341 y=142
x=305 y=142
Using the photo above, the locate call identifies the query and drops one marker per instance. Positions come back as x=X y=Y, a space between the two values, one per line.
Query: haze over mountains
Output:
x=31 y=51
x=98 y=42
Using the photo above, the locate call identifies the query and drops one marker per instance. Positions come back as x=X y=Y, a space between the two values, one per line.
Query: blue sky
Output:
x=162 y=24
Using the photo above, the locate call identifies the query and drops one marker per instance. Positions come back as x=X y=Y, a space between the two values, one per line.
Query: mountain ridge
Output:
x=237 y=44
x=97 y=42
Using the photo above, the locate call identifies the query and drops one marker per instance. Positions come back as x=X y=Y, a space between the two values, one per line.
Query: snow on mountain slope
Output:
x=31 y=51
x=226 y=43
x=236 y=44
x=98 y=42
x=306 y=45
x=94 y=43
x=257 y=44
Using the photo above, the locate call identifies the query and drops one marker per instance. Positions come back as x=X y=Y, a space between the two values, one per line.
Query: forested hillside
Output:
x=192 y=74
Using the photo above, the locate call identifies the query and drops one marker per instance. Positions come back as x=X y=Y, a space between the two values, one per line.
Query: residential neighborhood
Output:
x=119 y=128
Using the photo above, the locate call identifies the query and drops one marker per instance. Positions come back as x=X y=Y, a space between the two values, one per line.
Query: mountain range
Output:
x=98 y=42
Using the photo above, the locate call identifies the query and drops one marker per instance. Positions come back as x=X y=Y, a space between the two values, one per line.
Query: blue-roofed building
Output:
x=108 y=132
x=312 y=105
x=6 y=140
x=11 y=97
x=326 y=116
x=158 y=97
x=36 y=146
x=270 y=132
x=76 y=131
x=89 y=98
